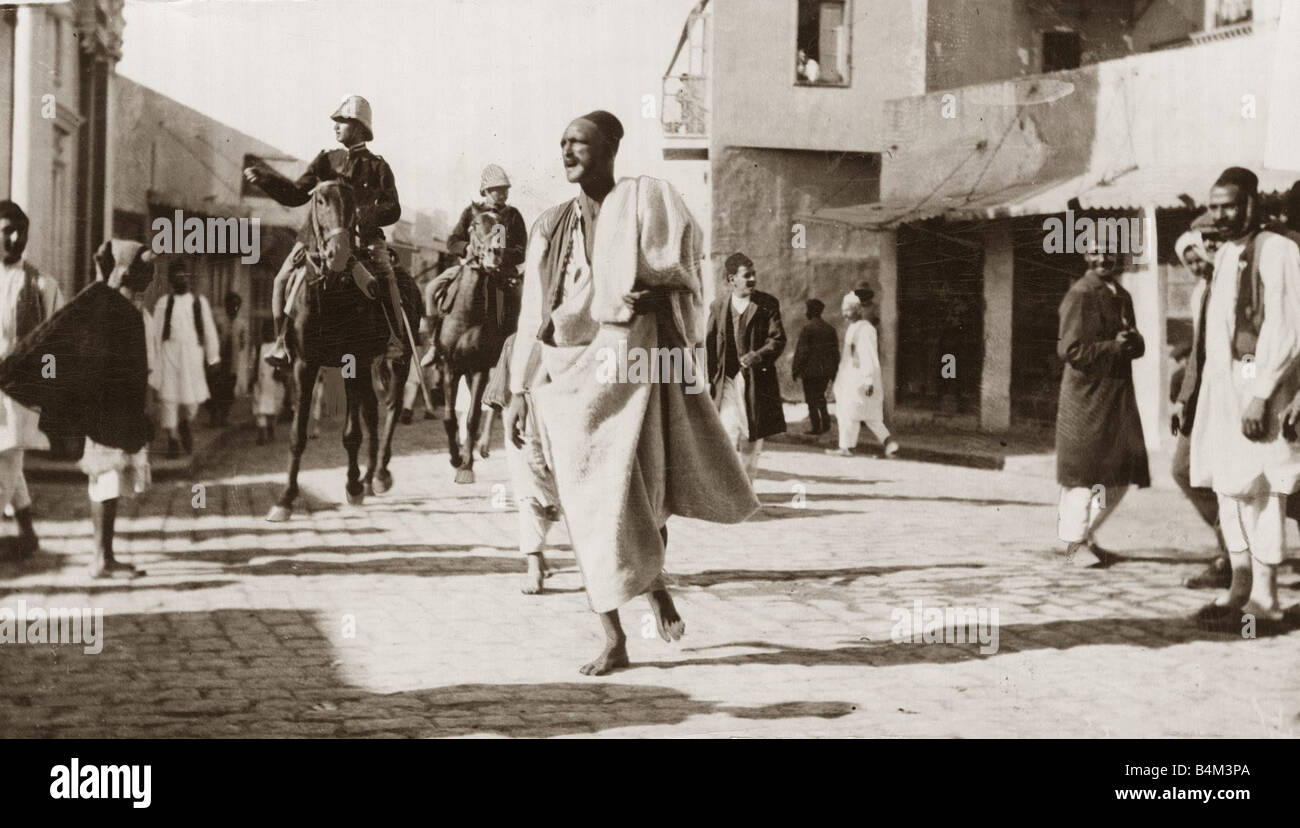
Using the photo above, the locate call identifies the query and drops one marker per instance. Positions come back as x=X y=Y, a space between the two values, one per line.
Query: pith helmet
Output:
x=355 y=108
x=493 y=176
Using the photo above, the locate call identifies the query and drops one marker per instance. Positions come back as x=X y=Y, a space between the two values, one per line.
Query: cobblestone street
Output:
x=403 y=617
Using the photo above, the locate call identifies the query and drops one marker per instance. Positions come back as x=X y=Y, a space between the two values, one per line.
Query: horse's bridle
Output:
x=320 y=241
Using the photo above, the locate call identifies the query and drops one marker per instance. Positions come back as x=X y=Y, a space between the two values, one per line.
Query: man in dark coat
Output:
x=98 y=346
x=745 y=336
x=1100 y=450
x=816 y=358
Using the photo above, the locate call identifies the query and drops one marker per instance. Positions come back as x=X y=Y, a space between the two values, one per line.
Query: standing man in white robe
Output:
x=27 y=298
x=616 y=270
x=187 y=342
x=858 y=395
x=1238 y=445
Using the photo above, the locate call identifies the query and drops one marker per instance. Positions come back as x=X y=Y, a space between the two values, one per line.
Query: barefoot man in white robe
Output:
x=615 y=271
x=1252 y=352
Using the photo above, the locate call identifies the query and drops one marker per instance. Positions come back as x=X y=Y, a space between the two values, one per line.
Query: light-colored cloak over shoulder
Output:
x=626 y=455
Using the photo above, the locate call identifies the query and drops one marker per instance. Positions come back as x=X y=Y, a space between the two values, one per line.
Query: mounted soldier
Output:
x=509 y=236
x=494 y=188
x=375 y=192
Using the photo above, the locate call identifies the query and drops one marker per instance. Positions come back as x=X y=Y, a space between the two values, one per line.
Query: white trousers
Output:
x=1256 y=523
x=411 y=391
x=534 y=488
x=13 y=486
x=172 y=412
x=850 y=429
x=112 y=484
x=735 y=421
x=1080 y=514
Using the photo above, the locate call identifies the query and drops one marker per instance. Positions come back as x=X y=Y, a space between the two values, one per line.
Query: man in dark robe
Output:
x=99 y=345
x=1100 y=449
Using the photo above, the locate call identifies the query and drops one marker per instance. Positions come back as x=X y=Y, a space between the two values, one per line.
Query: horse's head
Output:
x=487 y=241
x=333 y=215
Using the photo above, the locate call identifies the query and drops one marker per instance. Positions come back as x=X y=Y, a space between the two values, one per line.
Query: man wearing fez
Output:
x=1238 y=443
x=27 y=298
x=101 y=345
x=1100 y=450
x=615 y=270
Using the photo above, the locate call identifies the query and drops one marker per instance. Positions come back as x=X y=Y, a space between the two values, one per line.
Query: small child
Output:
x=534 y=486
x=268 y=388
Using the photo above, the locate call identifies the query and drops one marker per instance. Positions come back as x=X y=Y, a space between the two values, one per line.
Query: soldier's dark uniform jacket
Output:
x=512 y=258
x=372 y=182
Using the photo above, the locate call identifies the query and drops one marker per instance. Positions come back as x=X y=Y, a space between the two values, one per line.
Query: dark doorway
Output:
x=940 y=317
x=1041 y=280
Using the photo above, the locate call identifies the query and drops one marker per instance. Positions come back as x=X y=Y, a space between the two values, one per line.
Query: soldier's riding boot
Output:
x=396 y=347
x=431 y=355
x=279 y=356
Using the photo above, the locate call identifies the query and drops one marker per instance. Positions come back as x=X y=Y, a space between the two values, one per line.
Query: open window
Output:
x=1061 y=50
x=1222 y=13
x=822 y=43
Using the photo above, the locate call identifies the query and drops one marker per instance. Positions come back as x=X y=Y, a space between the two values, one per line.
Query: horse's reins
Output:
x=321 y=240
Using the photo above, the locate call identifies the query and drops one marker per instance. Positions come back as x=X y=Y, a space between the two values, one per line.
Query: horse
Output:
x=483 y=312
x=392 y=382
x=333 y=323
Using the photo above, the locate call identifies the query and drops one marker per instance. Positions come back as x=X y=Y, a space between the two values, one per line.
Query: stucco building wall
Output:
x=758 y=196
x=757 y=103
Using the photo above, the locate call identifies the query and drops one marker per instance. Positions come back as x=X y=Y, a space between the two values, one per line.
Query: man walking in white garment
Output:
x=858 y=396
x=187 y=341
x=27 y=299
x=1238 y=445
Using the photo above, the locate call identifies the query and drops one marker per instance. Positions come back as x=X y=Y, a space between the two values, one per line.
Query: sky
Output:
x=454 y=84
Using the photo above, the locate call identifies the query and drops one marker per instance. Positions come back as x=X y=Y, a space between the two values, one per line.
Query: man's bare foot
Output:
x=611 y=658
x=671 y=626
x=1266 y=613
x=537 y=572
x=1080 y=556
x=114 y=569
x=1238 y=592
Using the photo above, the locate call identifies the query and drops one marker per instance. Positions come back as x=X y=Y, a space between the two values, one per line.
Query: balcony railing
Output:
x=684 y=111
x=1223 y=33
